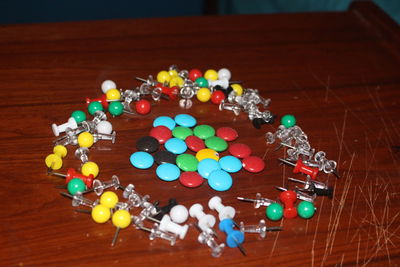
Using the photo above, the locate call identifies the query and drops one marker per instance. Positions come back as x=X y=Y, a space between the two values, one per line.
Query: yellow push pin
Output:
x=101 y=213
x=90 y=168
x=121 y=219
x=109 y=199
x=85 y=139
x=54 y=161
x=163 y=77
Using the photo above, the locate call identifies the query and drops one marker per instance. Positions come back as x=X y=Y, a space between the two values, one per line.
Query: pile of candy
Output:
x=177 y=135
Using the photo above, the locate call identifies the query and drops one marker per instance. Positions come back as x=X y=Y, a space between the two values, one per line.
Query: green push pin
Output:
x=202 y=82
x=76 y=185
x=79 y=116
x=95 y=106
x=288 y=121
x=274 y=212
x=116 y=108
x=306 y=209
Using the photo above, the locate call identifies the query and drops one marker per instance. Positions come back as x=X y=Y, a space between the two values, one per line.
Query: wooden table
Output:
x=338 y=73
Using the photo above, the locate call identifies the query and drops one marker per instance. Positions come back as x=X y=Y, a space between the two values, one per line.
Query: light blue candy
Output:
x=220 y=180
x=230 y=164
x=175 y=145
x=206 y=166
x=142 y=160
x=164 y=121
x=168 y=172
x=185 y=120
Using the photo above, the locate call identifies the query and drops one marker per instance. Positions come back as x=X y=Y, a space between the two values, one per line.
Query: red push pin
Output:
x=300 y=167
x=102 y=100
x=71 y=174
x=288 y=199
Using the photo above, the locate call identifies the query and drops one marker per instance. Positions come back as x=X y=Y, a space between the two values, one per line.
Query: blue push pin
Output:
x=234 y=238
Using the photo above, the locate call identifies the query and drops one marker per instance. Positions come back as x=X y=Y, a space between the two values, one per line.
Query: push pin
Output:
x=259 y=201
x=150 y=80
x=266 y=118
x=234 y=238
x=120 y=219
x=155 y=232
x=164 y=209
x=261 y=228
x=103 y=100
x=205 y=221
x=54 y=161
x=288 y=199
x=78 y=200
x=228 y=106
x=134 y=197
x=207 y=237
x=299 y=194
x=99 y=116
x=71 y=174
x=107 y=137
x=61 y=128
x=302 y=148
x=224 y=212
x=299 y=167
x=99 y=186
x=82 y=153
x=314 y=187
x=169 y=226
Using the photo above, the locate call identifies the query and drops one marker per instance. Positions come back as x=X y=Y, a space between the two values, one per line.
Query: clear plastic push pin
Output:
x=258 y=201
x=78 y=200
x=261 y=228
x=82 y=153
x=99 y=186
x=108 y=137
x=207 y=237
x=299 y=194
x=155 y=232
x=166 y=224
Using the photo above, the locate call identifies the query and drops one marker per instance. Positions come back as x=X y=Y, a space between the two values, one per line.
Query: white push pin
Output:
x=104 y=127
x=167 y=225
x=205 y=220
x=179 y=214
x=224 y=73
x=107 y=85
x=224 y=212
x=224 y=83
x=61 y=128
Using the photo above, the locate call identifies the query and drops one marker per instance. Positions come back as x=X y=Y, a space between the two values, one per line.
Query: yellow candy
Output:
x=163 y=77
x=109 y=199
x=121 y=219
x=101 y=213
x=113 y=94
x=211 y=75
x=53 y=161
x=60 y=151
x=90 y=168
x=85 y=139
x=173 y=73
x=207 y=153
x=204 y=94
x=176 y=81
x=237 y=88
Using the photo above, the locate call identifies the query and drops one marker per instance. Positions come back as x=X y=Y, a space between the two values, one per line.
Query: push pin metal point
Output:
x=299 y=195
x=261 y=228
x=234 y=238
x=258 y=201
x=314 y=187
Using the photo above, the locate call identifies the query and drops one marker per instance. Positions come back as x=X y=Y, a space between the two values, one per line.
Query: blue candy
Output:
x=142 y=160
x=168 y=172
x=164 y=121
x=230 y=164
x=220 y=180
x=185 y=120
x=206 y=166
x=175 y=145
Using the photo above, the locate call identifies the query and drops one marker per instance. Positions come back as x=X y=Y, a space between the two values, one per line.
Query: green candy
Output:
x=305 y=209
x=79 y=116
x=203 y=131
x=216 y=143
x=181 y=132
x=76 y=185
x=202 y=82
x=187 y=162
x=115 y=108
x=274 y=212
x=95 y=106
x=288 y=121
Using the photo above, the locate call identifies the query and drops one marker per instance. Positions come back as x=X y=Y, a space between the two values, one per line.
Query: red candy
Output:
x=191 y=179
x=253 y=164
x=194 y=74
x=240 y=150
x=161 y=133
x=194 y=143
x=143 y=107
x=227 y=133
x=217 y=96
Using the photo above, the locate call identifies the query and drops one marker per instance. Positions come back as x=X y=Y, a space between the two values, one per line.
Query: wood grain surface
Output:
x=338 y=73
